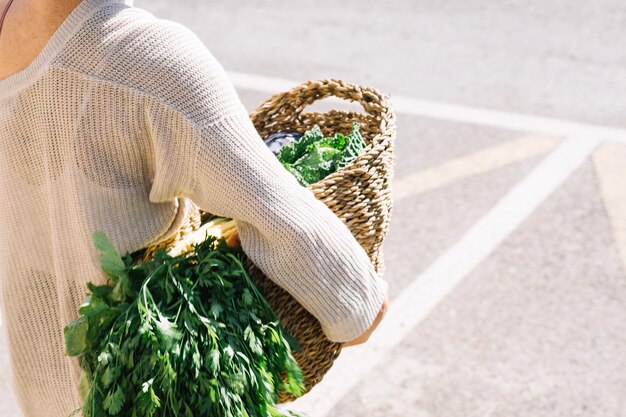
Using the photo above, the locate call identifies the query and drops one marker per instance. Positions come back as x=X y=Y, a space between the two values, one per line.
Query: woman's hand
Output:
x=363 y=338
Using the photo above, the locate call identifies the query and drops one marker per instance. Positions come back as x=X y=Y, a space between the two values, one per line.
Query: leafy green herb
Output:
x=313 y=157
x=189 y=335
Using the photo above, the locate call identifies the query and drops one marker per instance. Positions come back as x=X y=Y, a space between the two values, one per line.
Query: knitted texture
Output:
x=120 y=122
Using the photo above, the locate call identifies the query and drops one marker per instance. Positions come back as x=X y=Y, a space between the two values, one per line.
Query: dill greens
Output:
x=190 y=336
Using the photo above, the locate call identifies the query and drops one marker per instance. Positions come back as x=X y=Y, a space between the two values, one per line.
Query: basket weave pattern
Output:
x=359 y=194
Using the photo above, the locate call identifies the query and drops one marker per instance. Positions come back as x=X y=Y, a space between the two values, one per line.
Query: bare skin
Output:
x=28 y=26
x=365 y=336
x=233 y=240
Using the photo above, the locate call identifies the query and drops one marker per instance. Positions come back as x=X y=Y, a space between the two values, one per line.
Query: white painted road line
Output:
x=610 y=164
x=432 y=286
x=455 y=112
x=475 y=163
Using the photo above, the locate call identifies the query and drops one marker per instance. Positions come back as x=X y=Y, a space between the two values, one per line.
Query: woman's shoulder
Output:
x=132 y=47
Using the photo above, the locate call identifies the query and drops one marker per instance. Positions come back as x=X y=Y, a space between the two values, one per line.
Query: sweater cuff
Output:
x=359 y=322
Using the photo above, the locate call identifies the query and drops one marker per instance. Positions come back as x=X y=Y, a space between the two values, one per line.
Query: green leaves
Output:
x=168 y=330
x=355 y=144
x=110 y=261
x=84 y=384
x=216 y=308
x=313 y=157
x=186 y=335
x=114 y=401
x=255 y=344
x=75 y=335
x=246 y=297
x=293 y=343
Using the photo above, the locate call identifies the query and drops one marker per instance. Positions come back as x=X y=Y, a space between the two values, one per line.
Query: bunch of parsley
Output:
x=188 y=336
x=313 y=157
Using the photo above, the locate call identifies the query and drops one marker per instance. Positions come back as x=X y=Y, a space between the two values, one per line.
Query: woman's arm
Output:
x=207 y=149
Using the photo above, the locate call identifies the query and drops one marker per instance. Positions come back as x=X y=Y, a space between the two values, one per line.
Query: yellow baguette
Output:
x=218 y=227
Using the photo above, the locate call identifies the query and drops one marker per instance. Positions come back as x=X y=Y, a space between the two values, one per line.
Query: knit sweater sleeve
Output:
x=207 y=149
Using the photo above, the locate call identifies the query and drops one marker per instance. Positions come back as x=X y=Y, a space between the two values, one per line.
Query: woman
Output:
x=112 y=119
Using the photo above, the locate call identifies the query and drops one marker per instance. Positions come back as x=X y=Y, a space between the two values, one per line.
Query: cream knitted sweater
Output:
x=119 y=122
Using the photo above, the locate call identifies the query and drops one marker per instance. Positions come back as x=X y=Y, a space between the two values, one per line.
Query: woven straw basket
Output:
x=359 y=194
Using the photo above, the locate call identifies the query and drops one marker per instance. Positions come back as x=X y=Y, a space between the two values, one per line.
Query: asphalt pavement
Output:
x=534 y=322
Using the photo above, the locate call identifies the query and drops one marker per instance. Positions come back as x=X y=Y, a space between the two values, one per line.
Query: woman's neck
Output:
x=28 y=26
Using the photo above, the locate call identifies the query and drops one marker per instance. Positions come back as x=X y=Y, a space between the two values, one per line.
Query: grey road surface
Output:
x=552 y=58
x=539 y=327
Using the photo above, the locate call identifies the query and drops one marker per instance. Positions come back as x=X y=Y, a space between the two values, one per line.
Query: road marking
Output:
x=610 y=164
x=454 y=112
x=471 y=164
x=424 y=293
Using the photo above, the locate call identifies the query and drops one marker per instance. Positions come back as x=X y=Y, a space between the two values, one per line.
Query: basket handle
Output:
x=374 y=103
